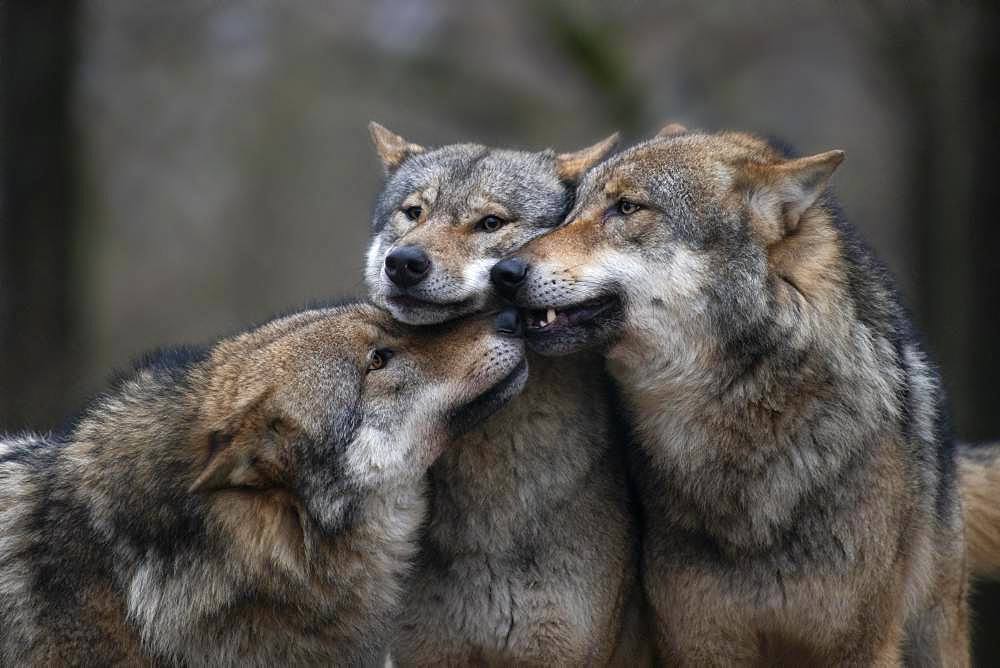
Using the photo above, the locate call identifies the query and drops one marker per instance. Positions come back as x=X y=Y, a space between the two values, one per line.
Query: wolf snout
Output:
x=407 y=265
x=508 y=276
x=510 y=322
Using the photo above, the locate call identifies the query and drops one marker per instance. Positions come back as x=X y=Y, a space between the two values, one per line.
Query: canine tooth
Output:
x=551 y=315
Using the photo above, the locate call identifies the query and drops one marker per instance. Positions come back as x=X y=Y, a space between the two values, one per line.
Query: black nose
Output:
x=507 y=276
x=510 y=323
x=407 y=265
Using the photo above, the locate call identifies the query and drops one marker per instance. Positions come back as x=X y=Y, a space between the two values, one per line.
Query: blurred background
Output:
x=174 y=171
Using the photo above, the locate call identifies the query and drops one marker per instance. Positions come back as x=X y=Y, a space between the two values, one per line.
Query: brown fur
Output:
x=255 y=505
x=530 y=554
x=571 y=166
x=799 y=495
x=979 y=471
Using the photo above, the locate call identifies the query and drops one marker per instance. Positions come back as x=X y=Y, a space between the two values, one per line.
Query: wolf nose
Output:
x=407 y=265
x=508 y=275
x=510 y=323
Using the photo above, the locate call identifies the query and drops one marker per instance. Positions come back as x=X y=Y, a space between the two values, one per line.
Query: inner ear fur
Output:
x=250 y=453
x=781 y=193
x=391 y=148
x=572 y=166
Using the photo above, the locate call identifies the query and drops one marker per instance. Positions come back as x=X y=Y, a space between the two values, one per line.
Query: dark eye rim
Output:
x=624 y=203
x=500 y=222
x=379 y=358
x=413 y=212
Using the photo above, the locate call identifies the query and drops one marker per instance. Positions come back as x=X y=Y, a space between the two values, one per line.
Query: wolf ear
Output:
x=672 y=130
x=571 y=166
x=249 y=457
x=785 y=191
x=391 y=148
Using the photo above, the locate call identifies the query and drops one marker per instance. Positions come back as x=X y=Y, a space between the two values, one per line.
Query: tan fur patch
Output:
x=672 y=130
x=980 y=489
x=571 y=166
x=809 y=259
x=391 y=148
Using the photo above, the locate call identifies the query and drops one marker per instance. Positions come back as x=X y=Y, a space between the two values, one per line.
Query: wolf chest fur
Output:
x=530 y=552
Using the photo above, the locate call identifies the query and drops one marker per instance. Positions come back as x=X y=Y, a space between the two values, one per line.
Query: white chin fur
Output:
x=376 y=458
x=423 y=315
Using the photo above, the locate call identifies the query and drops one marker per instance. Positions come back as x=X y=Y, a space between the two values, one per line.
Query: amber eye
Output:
x=413 y=212
x=378 y=359
x=492 y=223
x=627 y=208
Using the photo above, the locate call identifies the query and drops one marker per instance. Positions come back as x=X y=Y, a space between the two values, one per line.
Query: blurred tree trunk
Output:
x=947 y=78
x=950 y=90
x=984 y=290
x=37 y=217
x=985 y=224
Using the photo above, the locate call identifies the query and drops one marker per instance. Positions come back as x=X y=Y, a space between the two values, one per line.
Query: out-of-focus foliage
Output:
x=225 y=170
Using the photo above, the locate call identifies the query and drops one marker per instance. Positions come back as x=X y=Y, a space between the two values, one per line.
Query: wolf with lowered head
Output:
x=252 y=503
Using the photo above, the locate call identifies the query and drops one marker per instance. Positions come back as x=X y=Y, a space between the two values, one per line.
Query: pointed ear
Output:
x=672 y=130
x=571 y=166
x=785 y=191
x=250 y=457
x=391 y=148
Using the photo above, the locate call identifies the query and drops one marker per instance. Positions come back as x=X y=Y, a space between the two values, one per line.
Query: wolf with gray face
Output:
x=799 y=485
x=446 y=216
x=253 y=503
x=529 y=555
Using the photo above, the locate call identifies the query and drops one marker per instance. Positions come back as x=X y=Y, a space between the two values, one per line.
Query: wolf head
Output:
x=691 y=239
x=447 y=215
x=331 y=404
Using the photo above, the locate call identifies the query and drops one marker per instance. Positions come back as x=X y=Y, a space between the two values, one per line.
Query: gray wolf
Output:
x=253 y=502
x=798 y=476
x=530 y=552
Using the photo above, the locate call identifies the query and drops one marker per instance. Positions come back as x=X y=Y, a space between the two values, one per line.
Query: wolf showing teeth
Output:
x=799 y=482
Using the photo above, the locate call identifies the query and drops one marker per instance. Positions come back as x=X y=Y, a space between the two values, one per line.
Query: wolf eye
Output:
x=378 y=359
x=413 y=212
x=492 y=223
x=627 y=208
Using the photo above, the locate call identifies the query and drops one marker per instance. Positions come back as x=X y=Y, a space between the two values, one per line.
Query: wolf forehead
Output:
x=461 y=175
x=662 y=164
x=319 y=342
x=687 y=176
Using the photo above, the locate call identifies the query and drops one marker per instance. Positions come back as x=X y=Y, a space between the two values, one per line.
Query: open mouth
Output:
x=550 y=320
x=490 y=401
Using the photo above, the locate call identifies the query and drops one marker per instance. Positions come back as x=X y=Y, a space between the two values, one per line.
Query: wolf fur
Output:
x=979 y=473
x=798 y=477
x=254 y=502
x=530 y=551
